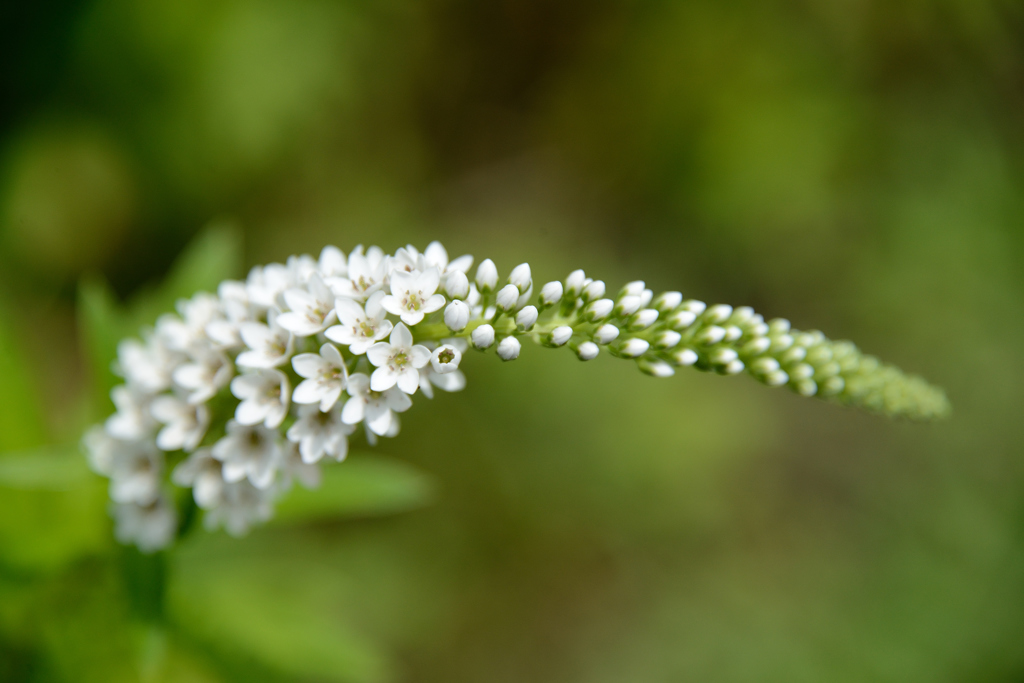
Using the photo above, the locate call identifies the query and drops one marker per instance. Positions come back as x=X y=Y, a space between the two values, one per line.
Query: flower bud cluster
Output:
x=242 y=393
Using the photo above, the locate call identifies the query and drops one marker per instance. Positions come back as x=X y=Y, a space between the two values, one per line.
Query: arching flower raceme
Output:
x=208 y=394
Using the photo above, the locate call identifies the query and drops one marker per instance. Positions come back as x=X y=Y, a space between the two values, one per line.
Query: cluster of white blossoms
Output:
x=241 y=393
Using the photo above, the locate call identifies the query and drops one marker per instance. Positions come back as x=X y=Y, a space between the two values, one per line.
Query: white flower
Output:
x=551 y=293
x=325 y=375
x=240 y=506
x=445 y=359
x=483 y=336
x=196 y=313
x=150 y=527
x=248 y=452
x=265 y=285
x=588 y=350
x=527 y=318
x=132 y=419
x=148 y=365
x=185 y=423
x=413 y=295
x=366 y=273
x=264 y=395
x=207 y=373
x=377 y=409
x=606 y=334
x=436 y=255
x=508 y=348
x=135 y=473
x=269 y=344
x=457 y=285
x=486 y=276
x=332 y=262
x=507 y=297
x=560 y=335
x=204 y=473
x=318 y=434
x=451 y=381
x=359 y=328
x=294 y=466
x=311 y=308
x=234 y=299
x=456 y=316
x=101 y=449
x=398 y=361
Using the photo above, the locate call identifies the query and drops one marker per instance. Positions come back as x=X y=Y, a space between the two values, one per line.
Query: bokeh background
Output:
x=855 y=166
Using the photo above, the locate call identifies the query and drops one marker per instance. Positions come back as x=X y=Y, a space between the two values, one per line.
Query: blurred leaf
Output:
x=51 y=468
x=215 y=255
x=21 y=421
x=273 y=610
x=362 y=486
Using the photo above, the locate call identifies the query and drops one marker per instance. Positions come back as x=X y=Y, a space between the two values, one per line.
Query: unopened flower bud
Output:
x=764 y=366
x=832 y=386
x=806 y=387
x=632 y=289
x=597 y=311
x=723 y=356
x=456 y=316
x=667 y=301
x=718 y=313
x=733 y=367
x=776 y=378
x=680 y=320
x=755 y=347
x=779 y=326
x=445 y=359
x=574 y=283
x=483 y=336
x=694 y=306
x=628 y=305
x=794 y=355
x=521 y=277
x=606 y=334
x=655 y=368
x=560 y=335
x=595 y=290
x=801 y=371
x=631 y=348
x=643 y=319
x=667 y=339
x=457 y=285
x=526 y=318
x=685 y=357
x=710 y=335
x=508 y=348
x=486 y=276
x=741 y=315
x=732 y=333
x=645 y=298
x=551 y=294
x=781 y=342
x=588 y=350
x=507 y=297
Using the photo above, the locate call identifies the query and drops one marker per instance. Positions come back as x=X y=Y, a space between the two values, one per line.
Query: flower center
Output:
x=413 y=301
x=446 y=356
x=400 y=360
x=366 y=328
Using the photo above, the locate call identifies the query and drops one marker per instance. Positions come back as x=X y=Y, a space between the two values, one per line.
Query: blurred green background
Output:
x=854 y=165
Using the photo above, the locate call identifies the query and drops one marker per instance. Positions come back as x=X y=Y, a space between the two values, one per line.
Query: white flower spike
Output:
x=226 y=364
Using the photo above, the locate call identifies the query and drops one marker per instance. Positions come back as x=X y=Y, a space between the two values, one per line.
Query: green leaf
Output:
x=21 y=420
x=364 y=485
x=215 y=255
x=51 y=468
